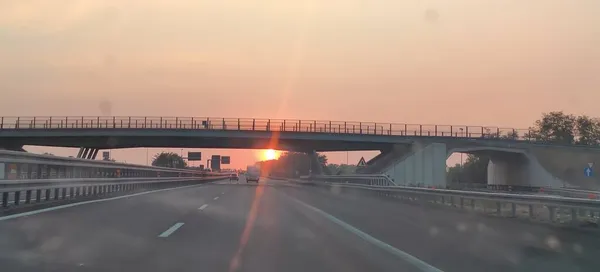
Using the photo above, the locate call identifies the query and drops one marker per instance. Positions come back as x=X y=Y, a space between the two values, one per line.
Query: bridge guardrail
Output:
x=247 y=124
x=547 y=208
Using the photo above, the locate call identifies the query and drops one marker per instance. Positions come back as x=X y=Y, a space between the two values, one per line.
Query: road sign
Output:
x=194 y=156
x=588 y=172
x=590 y=164
x=225 y=159
x=105 y=155
x=362 y=162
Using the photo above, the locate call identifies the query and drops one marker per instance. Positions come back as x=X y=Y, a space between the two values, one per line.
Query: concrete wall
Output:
x=519 y=168
x=426 y=165
x=568 y=164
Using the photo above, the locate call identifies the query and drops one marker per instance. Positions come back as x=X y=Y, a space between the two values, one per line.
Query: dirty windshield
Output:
x=299 y=135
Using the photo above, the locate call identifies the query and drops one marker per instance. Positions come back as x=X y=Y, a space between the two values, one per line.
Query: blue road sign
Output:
x=588 y=172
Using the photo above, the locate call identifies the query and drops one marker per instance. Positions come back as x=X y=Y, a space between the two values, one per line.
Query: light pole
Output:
x=347 y=157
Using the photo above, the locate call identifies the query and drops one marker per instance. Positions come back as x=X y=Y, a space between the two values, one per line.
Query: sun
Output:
x=270 y=154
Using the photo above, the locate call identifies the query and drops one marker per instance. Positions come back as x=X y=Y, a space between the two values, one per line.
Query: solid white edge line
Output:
x=89 y=202
x=170 y=231
x=423 y=266
x=203 y=207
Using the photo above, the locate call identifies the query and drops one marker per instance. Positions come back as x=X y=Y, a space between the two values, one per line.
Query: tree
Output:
x=341 y=169
x=588 y=130
x=291 y=164
x=556 y=127
x=168 y=159
x=473 y=170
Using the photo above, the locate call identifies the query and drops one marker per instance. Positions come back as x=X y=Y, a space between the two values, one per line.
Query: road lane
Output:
x=456 y=241
x=97 y=232
x=279 y=226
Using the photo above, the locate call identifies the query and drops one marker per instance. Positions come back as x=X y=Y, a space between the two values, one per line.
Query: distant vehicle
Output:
x=252 y=174
x=234 y=176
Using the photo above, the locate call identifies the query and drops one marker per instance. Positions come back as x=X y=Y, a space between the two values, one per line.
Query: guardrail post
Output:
x=253 y=124
x=56 y=193
x=76 y=191
x=498 y=208
x=4 y=199
x=47 y=198
x=27 y=196
x=38 y=196
x=513 y=208
x=97 y=122
x=239 y=127
x=71 y=192
x=2 y=123
x=17 y=198
x=472 y=204
x=573 y=215
x=552 y=214
x=269 y=125
x=64 y=193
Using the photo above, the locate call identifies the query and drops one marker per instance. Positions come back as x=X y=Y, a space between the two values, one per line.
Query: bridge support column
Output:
x=424 y=165
x=84 y=153
x=93 y=154
x=87 y=153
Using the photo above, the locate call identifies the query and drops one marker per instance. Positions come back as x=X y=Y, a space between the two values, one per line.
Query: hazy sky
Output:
x=468 y=62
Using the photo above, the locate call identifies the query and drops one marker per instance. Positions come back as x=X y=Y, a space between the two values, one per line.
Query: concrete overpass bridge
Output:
x=410 y=154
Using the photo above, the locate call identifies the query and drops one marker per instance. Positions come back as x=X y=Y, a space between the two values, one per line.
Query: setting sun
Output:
x=270 y=154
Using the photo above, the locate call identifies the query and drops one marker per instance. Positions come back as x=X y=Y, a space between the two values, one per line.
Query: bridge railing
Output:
x=277 y=125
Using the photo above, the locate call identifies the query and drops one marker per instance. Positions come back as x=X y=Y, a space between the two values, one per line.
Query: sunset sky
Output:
x=468 y=62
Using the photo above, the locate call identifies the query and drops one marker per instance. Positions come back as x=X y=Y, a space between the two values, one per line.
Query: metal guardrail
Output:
x=68 y=190
x=8 y=156
x=542 y=207
x=370 y=180
x=247 y=124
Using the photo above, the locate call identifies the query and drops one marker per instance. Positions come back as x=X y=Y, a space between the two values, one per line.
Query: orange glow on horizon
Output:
x=270 y=154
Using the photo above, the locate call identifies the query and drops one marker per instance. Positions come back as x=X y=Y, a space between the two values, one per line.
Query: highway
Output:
x=280 y=226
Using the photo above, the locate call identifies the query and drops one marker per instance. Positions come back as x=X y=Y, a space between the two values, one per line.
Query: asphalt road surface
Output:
x=278 y=226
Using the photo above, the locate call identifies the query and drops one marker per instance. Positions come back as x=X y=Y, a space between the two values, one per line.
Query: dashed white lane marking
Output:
x=203 y=207
x=170 y=230
x=216 y=197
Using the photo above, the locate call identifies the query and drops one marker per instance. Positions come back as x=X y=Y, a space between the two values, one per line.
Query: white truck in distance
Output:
x=252 y=174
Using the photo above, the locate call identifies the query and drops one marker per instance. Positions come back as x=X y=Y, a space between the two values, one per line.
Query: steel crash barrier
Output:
x=371 y=180
x=16 y=166
x=35 y=192
x=546 y=208
x=27 y=178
